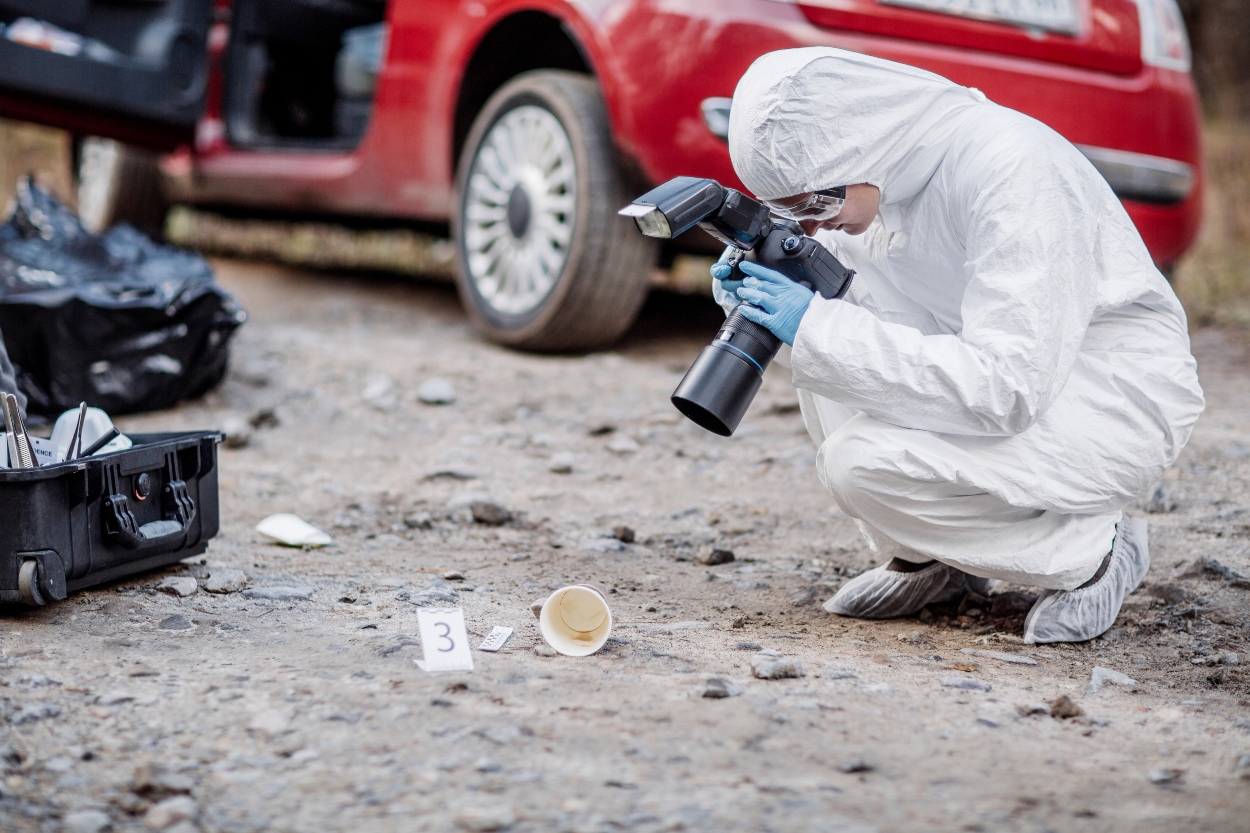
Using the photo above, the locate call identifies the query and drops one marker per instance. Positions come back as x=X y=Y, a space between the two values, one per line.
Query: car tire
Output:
x=119 y=183
x=544 y=261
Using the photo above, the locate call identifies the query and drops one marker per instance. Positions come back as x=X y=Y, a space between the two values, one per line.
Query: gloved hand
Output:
x=724 y=292
x=772 y=300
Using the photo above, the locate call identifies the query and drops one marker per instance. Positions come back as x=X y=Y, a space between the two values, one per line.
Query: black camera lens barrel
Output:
x=721 y=384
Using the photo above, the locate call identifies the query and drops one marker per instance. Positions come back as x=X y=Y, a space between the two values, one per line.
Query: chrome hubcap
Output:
x=519 y=210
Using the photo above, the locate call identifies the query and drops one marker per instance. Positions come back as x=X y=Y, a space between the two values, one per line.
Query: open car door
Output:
x=133 y=70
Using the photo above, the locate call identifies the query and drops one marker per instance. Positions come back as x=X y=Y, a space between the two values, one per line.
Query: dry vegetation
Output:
x=1213 y=280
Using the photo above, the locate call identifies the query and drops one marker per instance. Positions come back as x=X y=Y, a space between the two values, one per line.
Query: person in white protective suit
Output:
x=1009 y=369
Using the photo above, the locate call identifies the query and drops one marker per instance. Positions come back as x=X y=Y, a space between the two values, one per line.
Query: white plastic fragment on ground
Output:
x=1107 y=676
x=293 y=531
x=495 y=639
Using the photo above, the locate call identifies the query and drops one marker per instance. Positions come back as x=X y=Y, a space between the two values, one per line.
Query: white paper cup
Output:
x=575 y=620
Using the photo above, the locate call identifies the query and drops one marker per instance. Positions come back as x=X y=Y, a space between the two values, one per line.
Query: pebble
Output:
x=463 y=500
x=537 y=606
x=1210 y=565
x=419 y=520
x=718 y=689
x=238 y=432
x=623 y=444
x=1030 y=709
x=561 y=462
x=1161 y=500
x=225 y=580
x=453 y=575
x=1106 y=676
x=486 y=819
x=966 y=684
x=379 y=391
x=715 y=556
x=771 y=665
x=170 y=811
x=86 y=821
x=436 y=391
x=840 y=671
x=624 y=534
x=178 y=586
x=280 y=593
x=544 y=650
x=749 y=646
x=438 y=593
x=264 y=418
x=177 y=622
x=1243 y=762
x=271 y=722
x=1063 y=707
x=155 y=781
x=600 y=544
x=490 y=513
x=452 y=471
x=34 y=712
x=1163 y=777
x=852 y=765
x=1001 y=656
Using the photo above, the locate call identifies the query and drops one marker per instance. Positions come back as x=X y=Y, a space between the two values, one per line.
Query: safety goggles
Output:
x=821 y=205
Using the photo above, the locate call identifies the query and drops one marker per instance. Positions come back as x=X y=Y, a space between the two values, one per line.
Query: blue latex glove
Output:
x=721 y=270
x=772 y=300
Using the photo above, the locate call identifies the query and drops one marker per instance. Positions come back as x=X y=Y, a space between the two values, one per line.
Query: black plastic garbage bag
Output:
x=114 y=319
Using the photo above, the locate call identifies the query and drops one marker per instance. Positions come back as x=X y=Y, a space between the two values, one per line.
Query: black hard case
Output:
x=80 y=520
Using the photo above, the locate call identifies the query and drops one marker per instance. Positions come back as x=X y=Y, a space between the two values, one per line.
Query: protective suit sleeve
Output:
x=1031 y=292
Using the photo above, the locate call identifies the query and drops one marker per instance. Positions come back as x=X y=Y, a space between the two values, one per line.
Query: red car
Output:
x=526 y=124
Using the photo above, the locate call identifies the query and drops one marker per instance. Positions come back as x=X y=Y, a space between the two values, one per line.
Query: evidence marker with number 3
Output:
x=444 y=641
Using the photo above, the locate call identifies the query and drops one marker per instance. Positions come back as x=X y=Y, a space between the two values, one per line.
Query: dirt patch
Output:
x=265 y=710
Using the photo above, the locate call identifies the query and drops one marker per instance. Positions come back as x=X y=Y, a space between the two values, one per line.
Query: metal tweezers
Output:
x=73 y=450
x=21 y=452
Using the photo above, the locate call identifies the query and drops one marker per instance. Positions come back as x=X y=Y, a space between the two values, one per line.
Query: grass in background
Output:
x=1213 y=279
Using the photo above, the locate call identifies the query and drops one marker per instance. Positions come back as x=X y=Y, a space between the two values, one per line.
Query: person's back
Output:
x=1010 y=363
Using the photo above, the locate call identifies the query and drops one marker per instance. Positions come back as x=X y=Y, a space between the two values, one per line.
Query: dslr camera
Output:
x=718 y=388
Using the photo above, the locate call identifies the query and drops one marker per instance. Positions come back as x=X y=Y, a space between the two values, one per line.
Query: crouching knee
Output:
x=853 y=463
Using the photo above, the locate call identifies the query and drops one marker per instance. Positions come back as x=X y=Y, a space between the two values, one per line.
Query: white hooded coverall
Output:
x=1009 y=369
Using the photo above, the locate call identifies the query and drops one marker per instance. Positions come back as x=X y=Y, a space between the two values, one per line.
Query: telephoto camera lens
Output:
x=719 y=387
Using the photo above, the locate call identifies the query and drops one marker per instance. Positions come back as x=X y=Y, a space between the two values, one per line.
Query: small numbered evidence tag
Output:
x=444 y=640
x=495 y=639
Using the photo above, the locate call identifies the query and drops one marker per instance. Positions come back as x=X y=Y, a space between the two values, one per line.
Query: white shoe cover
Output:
x=886 y=594
x=1081 y=614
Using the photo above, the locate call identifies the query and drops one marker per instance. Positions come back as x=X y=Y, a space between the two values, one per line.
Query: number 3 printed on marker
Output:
x=451 y=645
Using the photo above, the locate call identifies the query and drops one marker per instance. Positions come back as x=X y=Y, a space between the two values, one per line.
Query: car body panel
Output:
x=657 y=60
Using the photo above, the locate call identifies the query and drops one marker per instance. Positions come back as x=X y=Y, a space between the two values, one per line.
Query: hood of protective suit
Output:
x=813 y=118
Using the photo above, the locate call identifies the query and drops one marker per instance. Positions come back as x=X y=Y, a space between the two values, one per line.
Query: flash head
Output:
x=685 y=201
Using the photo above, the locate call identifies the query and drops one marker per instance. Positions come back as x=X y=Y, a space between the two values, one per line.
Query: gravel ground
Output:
x=131 y=707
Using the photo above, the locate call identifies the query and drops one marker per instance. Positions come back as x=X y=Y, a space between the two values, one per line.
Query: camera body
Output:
x=719 y=387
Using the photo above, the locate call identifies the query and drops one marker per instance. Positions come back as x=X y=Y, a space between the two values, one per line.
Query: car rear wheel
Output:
x=545 y=263
x=119 y=183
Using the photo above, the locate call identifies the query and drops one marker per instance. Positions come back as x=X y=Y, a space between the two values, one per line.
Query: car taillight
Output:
x=1164 y=42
